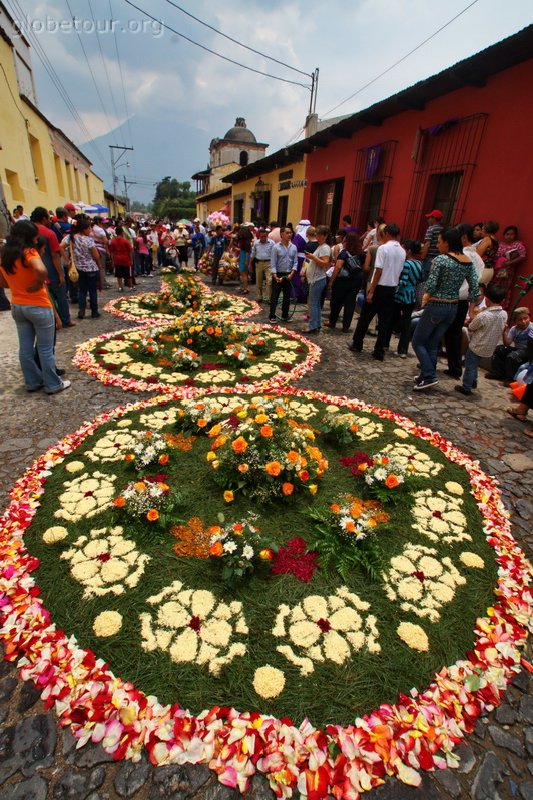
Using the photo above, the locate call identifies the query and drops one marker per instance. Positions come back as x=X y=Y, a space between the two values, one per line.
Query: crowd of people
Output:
x=448 y=293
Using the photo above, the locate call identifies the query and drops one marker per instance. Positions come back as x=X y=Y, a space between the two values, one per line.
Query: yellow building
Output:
x=270 y=189
x=116 y=206
x=39 y=165
x=237 y=148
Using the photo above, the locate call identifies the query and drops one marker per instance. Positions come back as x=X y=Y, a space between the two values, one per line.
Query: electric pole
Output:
x=115 y=162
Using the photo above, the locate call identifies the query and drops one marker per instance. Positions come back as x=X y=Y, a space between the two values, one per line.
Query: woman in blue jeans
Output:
x=24 y=273
x=81 y=245
x=448 y=272
x=316 y=277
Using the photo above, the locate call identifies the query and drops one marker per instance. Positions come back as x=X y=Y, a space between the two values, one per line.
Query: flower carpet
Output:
x=156 y=308
x=330 y=596
x=201 y=350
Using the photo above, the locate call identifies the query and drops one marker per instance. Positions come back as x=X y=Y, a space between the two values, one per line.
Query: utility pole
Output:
x=126 y=184
x=314 y=91
x=115 y=162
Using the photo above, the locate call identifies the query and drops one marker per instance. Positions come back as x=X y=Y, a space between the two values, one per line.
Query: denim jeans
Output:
x=432 y=325
x=88 y=283
x=61 y=298
x=470 y=370
x=315 y=306
x=35 y=325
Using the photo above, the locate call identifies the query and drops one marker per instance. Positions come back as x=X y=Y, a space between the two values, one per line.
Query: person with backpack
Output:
x=345 y=281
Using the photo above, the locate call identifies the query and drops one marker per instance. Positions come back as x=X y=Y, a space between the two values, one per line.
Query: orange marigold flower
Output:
x=218 y=331
x=152 y=515
x=266 y=554
x=293 y=456
x=384 y=459
x=215 y=430
x=228 y=496
x=219 y=441
x=163 y=459
x=129 y=457
x=216 y=549
x=335 y=507
x=239 y=445
x=210 y=330
x=354 y=428
x=243 y=468
x=287 y=488
x=303 y=475
x=266 y=431
x=201 y=422
x=238 y=527
x=139 y=486
x=261 y=419
x=273 y=468
x=119 y=502
x=392 y=482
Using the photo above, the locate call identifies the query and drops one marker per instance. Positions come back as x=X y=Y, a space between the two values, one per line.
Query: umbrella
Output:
x=184 y=222
x=95 y=209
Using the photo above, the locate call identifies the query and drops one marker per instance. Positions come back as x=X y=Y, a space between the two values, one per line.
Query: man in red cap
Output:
x=429 y=245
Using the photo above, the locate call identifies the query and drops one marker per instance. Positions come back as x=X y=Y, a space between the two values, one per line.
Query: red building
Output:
x=459 y=141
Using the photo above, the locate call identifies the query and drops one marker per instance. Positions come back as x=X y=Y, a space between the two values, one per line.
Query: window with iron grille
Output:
x=373 y=171
x=445 y=157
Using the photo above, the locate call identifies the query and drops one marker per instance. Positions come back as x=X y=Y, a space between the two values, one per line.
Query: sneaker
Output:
x=272 y=319
x=286 y=320
x=378 y=356
x=462 y=390
x=64 y=385
x=420 y=385
x=354 y=349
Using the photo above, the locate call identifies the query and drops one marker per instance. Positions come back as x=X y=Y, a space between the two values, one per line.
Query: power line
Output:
x=45 y=61
x=241 y=44
x=115 y=108
x=213 y=52
x=90 y=68
x=121 y=77
x=410 y=53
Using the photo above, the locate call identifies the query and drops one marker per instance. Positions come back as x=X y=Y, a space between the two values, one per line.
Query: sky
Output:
x=133 y=82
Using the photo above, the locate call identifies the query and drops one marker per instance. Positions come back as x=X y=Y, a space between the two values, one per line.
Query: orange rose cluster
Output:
x=264 y=453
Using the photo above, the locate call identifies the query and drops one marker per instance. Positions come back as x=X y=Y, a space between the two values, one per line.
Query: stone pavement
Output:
x=37 y=758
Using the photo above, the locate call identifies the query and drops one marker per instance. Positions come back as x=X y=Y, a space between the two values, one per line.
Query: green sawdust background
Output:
x=332 y=694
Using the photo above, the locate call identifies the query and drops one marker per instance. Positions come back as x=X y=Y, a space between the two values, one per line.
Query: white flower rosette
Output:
x=105 y=562
x=320 y=629
x=422 y=581
x=193 y=627
x=85 y=496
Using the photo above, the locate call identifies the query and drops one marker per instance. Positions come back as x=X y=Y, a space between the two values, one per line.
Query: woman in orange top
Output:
x=24 y=273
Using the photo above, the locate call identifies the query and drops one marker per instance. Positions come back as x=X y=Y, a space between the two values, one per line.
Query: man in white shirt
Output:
x=260 y=258
x=390 y=258
x=454 y=335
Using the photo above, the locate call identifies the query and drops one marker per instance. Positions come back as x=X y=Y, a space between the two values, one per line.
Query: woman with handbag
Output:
x=81 y=249
x=23 y=272
x=345 y=281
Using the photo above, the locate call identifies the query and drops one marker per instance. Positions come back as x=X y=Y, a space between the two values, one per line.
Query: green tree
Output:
x=174 y=199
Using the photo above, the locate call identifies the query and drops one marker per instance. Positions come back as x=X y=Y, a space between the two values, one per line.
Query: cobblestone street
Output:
x=38 y=760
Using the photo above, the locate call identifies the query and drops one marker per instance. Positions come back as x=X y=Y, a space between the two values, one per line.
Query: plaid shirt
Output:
x=486 y=331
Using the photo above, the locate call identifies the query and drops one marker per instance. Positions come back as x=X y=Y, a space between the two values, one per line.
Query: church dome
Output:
x=240 y=133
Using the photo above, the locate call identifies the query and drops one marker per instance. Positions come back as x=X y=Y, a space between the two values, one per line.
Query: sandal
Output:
x=516 y=415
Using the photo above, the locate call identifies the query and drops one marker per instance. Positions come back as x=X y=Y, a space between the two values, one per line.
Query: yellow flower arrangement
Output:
x=414 y=636
x=108 y=623
x=268 y=682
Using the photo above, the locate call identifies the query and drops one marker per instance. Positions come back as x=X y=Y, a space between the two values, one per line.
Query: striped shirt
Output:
x=486 y=331
x=410 y=277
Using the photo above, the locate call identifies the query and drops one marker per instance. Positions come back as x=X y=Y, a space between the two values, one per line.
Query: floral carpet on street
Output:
x=276 y=581
x=201 y=350
x=208 y=589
